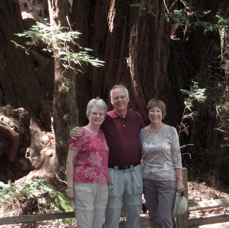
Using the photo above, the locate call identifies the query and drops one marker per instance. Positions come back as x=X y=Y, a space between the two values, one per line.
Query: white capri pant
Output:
x=90 y=204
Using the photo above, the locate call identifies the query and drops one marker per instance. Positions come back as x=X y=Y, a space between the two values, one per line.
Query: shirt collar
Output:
x=114 y=115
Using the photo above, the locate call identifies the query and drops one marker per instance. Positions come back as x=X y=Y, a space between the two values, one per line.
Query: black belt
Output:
x=123 y=167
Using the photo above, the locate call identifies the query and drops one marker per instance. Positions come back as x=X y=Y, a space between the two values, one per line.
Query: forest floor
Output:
x=202 y=192
x=196 y=192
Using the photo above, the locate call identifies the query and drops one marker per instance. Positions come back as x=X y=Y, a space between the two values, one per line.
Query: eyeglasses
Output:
x=118 y=97
x=97 y=113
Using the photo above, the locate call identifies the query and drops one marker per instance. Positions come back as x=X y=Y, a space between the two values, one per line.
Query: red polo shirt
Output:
x=122 y=135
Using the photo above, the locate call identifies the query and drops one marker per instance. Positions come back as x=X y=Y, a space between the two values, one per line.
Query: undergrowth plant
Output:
x=222 y=110
x=193 y=18
x=37 y=196
x=195 y=94
x=60 y=41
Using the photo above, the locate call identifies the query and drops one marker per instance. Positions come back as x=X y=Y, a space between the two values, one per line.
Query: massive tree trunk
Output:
x=20 y=89
x=139 y=52
x=19 y=86
x=133 y=43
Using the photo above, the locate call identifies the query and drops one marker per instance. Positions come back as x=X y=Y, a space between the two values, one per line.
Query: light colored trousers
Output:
x=125 y=192
x=159 y=196
x=90 y=203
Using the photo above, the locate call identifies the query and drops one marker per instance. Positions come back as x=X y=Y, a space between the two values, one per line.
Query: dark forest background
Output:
x=176 y=51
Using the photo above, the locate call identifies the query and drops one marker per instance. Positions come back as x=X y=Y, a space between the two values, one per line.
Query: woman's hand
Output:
x=75 y=132
x=180 y=185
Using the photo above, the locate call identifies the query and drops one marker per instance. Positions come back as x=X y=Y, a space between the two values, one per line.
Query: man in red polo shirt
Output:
x=121 y=128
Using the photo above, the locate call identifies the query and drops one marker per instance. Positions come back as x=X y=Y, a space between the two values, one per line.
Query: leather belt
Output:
x=123 y=167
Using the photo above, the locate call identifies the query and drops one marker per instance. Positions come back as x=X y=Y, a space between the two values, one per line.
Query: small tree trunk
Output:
x=65 y=113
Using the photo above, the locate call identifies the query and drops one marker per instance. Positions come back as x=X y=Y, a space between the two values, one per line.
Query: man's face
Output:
x=119 y=99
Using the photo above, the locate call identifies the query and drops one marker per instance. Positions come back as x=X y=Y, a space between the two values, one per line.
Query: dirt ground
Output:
x=198 y=192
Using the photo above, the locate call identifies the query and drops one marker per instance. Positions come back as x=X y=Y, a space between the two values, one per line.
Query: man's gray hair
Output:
x=121 y=87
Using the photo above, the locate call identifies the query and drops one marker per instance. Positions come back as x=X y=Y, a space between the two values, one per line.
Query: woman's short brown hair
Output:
x=156 y=102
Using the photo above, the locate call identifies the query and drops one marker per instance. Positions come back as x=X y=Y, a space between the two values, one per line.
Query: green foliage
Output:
x=222 y=23
x=194 y=94
x=192 y=19
x=141 y=6
x=62 y=43
x=38 y=196
x=184 y=18
x=144 y=7
x=222 y=109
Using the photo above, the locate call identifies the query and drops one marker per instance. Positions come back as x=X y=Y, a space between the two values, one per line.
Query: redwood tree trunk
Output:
x=134 y=45
x=20 y=89
x=19 y=86
x=138 y=51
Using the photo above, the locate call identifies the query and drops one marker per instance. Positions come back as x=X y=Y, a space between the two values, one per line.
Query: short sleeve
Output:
x=76 y=143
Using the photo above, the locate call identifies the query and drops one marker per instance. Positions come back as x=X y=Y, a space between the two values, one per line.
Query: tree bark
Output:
x=65 y=112
x=134 y=45
x=20 y=93
x=19 y=86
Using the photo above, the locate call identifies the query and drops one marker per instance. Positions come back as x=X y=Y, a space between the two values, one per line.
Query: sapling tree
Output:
x=195 y=94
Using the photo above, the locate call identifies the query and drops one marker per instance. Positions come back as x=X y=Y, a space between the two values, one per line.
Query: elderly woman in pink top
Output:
x=87 y=169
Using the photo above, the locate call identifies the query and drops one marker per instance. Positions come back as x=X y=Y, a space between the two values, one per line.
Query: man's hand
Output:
x=75 y=132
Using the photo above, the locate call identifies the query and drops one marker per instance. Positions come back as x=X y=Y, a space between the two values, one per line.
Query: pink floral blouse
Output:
x=91 y=163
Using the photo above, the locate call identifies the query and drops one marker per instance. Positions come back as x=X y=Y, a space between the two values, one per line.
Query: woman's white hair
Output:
x=96 y=102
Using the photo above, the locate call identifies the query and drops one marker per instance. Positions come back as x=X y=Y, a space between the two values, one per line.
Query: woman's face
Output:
x=96 y=116
x=155 y=115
